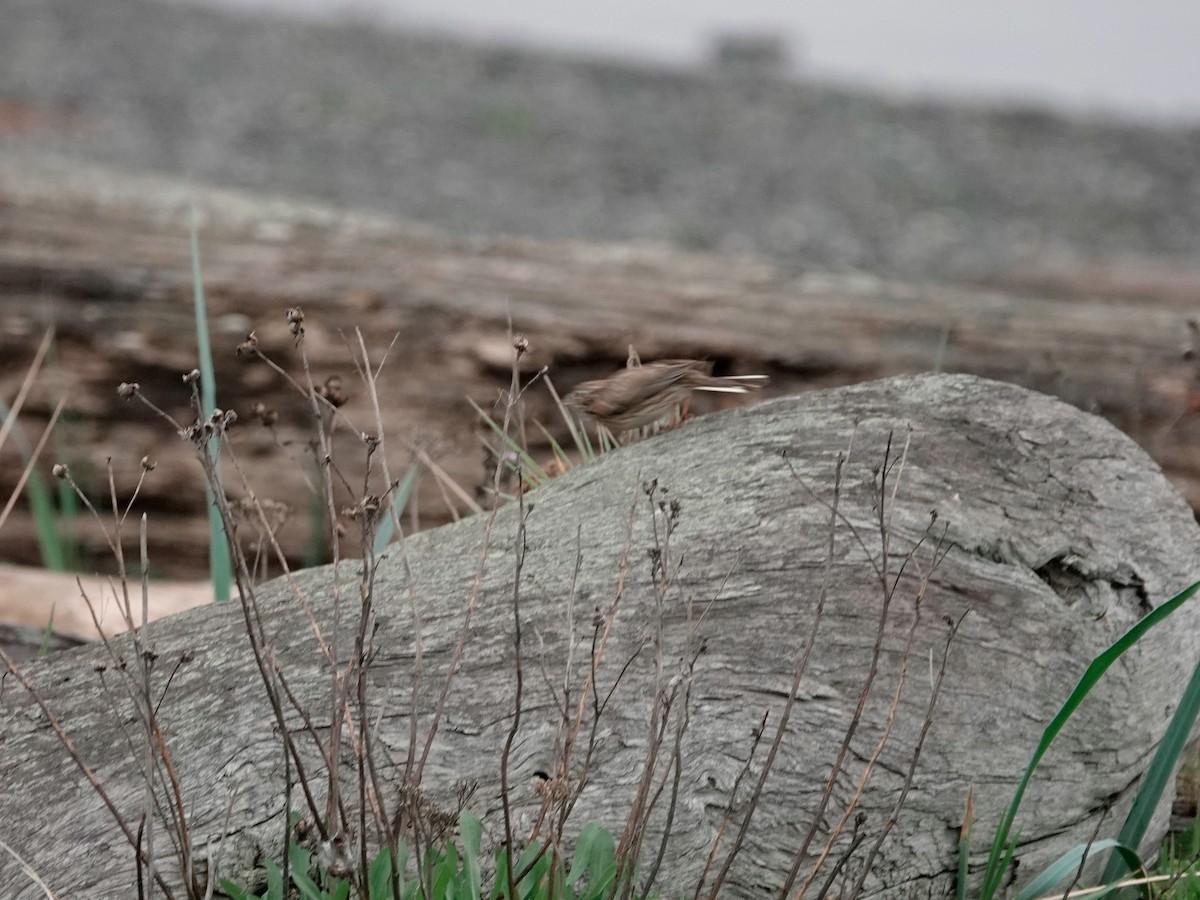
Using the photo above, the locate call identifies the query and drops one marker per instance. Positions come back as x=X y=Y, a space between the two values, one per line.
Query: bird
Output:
x=641 y=395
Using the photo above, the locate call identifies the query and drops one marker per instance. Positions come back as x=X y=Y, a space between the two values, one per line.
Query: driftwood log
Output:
x=1053 y=533
x=105 y=257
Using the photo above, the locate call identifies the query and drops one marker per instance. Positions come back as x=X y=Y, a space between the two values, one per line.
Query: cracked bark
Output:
x=746 y=523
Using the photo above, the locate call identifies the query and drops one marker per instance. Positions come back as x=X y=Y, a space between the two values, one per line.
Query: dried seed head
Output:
x=148 y=464
x=60 y=470
x=303 y=828
x=332 y=391
x=520 y=344
x=266 y=416
x=192 y=377
x=295 y=320
x=248 y=346
x=127 y=390
x=333 y=856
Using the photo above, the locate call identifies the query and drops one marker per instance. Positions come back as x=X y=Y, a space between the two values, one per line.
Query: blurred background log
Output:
x=104 y=258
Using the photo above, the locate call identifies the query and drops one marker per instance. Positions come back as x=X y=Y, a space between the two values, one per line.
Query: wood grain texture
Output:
x=1060 y=533
x=104 y=256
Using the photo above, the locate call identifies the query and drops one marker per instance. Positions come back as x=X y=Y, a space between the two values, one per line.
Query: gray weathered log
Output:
x=1058 y=532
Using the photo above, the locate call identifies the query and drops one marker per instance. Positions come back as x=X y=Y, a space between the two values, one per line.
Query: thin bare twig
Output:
x=29 y=871
x=68 y=744
x=797 y=677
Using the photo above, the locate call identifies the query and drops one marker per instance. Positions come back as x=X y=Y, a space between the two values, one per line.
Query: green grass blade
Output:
x=50 y=544
x=1068 y=864
x=564 y=461
x=46 y=632
x=1009 y=851
x=51 y=547
x=471 y=832
x=964 y=846
x=65 y=531
x=219 y=566
x=586 y=450
x=939 y=357
x=399 y=500
x=317 y=543
x=579 y=433
x=533 y=473
x=1001 y=848
x=1158 y=776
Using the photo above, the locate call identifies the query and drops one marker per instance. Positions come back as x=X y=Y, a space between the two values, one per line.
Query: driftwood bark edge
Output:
x=1058 y=533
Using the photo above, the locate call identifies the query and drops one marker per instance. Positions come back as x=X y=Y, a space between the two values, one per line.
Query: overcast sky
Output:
x=1139 y=57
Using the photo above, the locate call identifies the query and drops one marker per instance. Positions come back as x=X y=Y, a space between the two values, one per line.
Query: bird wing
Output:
x=629 y=387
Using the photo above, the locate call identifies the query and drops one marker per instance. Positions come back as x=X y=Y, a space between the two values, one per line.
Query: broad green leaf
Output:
x=274 y=881
x=235 y=892
x=1068 y=864
x=444 y=870
x=379 y=877
x=299 y=859
x=532 y=886
x=1002 y=848
x=471 y=832
x=595 y=852
x=1159 y=776
x=500 y=884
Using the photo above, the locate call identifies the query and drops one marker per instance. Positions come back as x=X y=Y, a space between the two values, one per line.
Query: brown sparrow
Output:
x=641 y=395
